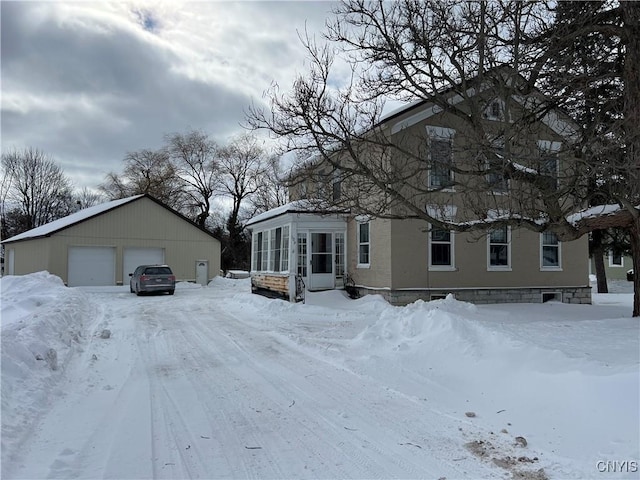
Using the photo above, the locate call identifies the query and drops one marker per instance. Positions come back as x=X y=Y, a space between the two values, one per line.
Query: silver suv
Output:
x=152 y=278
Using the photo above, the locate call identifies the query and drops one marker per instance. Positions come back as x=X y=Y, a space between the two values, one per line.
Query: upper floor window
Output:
x=440 y=157
x=499 y=241
x=550 y=251
x=364 y=244
x=549 y=164
x=441 y=252
x=494 y=110
x=336 y=184
x=497 y=179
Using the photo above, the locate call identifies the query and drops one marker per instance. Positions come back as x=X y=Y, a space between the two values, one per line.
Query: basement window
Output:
x=551 y=297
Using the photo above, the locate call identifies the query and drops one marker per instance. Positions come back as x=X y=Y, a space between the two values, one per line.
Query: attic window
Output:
x=494 y=110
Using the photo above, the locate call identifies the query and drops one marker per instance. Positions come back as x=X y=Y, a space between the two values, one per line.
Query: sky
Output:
x=87 y=82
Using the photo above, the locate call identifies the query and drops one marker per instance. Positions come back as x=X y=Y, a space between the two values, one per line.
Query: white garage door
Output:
x=91 y=266
x=134 y=256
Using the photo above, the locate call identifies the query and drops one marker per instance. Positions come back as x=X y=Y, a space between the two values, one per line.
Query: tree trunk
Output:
x=597 y=252
x=631 y=18
x=634 y=233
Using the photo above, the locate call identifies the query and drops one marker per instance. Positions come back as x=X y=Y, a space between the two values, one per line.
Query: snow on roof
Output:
x=597 y=211
x=296 y=206
x=72 y=219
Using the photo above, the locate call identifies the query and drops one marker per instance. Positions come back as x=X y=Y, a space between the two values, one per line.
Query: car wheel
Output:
x=171 y=292
x=130 y=288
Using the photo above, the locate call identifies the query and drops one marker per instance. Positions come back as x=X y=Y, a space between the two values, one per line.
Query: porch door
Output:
x=322 y=274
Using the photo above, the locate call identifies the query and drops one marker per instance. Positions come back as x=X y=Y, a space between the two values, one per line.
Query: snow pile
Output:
x=525 y=387
x=42 y=329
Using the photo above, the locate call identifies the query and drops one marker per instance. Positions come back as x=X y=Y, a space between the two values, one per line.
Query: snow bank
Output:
x=43 y=327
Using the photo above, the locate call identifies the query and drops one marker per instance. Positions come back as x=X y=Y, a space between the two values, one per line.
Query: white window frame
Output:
x=442 y=268
x=266 y=250
x=340 y=245
x=303 y=254
x=612 y=264
x=544 y=267
x=361 y=244
x=441 y=134
x=549 y=151
x=488 y=112
x=499 y=268
x=497 y=143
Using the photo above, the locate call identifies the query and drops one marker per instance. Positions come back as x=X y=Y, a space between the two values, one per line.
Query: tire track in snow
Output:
x=254 y=370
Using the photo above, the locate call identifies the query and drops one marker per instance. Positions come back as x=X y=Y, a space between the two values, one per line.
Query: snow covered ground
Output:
x=217 y=383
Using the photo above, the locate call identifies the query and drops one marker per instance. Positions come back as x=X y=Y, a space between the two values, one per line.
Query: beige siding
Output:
x=411 y=270
x=141 y=223
x=378 y=274
x=30 y=256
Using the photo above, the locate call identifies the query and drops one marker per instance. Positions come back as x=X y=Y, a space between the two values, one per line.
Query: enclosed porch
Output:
x=295 y=250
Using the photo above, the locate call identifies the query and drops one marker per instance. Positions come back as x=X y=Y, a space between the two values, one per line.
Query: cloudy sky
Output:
x=87 y=82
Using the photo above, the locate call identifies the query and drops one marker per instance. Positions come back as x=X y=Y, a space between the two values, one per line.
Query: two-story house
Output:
x=404 y=258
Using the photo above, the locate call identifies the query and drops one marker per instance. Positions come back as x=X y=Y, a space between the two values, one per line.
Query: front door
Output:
x=322 y=275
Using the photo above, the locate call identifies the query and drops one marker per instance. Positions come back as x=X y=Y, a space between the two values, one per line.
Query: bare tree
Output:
x=272 y=190
x=147 y=172
x=194 y=157
x=458 y=57
x=35 y=189
x=244 y=164
x=86 y=198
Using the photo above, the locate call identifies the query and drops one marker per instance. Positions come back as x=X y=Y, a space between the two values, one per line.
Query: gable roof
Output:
x=555 y=118
x=89 y=213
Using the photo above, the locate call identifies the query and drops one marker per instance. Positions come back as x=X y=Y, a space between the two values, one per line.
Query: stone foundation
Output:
x=574 y=295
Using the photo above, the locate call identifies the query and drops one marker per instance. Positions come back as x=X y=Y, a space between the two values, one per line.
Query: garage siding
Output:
x=144 y=225
x=141 y=224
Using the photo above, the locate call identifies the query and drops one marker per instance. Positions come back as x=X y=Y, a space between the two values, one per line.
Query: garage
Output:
x=101 y=245
x=134 y=256
x=91 y=266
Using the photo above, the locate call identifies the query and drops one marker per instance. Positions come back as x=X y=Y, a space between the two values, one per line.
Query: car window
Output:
x=158 y=271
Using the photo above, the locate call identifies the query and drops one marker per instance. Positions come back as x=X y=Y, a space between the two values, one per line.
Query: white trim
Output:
x=359 y=243
x=615 y=265
x=550 y=268
x=446 y=213
x=440 y=134
x=499 y=268
x=442 y=268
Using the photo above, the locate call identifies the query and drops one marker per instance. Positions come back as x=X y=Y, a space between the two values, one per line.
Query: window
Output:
x=499 y=241
x=271 y=250
x=497 y=179
x=257 y=252
x=339 y=241
x=302 y=254
x=276 y=242
x=440 y=249
x=364 y=245
x=336 y=183
x=264 y=264
x=615 y=258
x=440 y=157
x=549 y=164
x=284 y=250
x=550 y=251
x=494 y=110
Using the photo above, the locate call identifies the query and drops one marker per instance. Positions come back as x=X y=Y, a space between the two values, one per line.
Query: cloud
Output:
x=88 y=82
